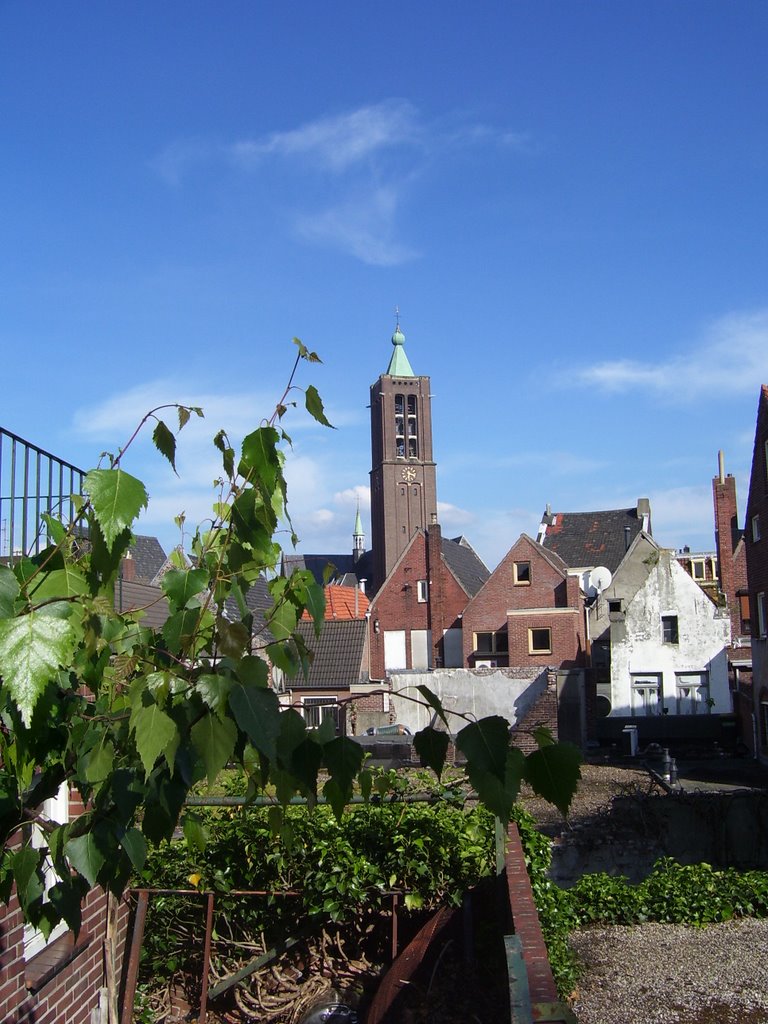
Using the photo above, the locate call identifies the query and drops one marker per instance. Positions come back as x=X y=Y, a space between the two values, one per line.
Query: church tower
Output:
x=403 y=473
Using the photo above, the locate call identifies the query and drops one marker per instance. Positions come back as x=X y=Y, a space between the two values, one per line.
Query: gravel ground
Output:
x=670 y=974
x=659 y=973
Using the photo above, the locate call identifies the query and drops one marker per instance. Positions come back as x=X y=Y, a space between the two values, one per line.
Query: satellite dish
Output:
x=599 y=579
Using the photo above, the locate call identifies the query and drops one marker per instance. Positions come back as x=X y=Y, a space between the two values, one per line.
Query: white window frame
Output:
x=756 y=533
x=760 y=602
x=698 y=569
x=422 y=591
x=317 y=706
x=692 y=693
x=646 y=696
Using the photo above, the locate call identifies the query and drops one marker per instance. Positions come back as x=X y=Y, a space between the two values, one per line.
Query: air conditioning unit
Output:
x=486 y=664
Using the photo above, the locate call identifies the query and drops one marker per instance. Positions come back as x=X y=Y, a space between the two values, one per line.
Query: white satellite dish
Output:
x=599 y=579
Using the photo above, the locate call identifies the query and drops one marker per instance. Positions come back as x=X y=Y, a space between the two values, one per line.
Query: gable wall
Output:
x=757 y=571
x=549 y=589
x=396 y=605
x=637 y=646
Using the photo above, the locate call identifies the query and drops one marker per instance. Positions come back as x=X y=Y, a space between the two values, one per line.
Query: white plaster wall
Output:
x=636 y=644
x=466 y=692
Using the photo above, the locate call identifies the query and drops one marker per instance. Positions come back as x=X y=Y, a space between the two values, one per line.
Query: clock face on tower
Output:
x=408 y=474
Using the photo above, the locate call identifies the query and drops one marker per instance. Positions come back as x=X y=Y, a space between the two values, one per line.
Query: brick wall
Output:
x=757 y=563
x=543 y=712
x=396 y=605
x=549 y=588
x=40 y=993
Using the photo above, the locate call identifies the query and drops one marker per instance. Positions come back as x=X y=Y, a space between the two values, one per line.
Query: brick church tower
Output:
x=403 y=473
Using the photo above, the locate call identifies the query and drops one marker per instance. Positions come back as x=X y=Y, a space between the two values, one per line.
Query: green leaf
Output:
x=155 y=732
x=432 y=746
x=304 y=765
x=117 y=498
x=184 y=415
x=257 y=712
x=337 y=796
x=252 y=671
x=259 y=458
x=182 y=585
x=343 y=758
x=314 y=404
x=195 y=832
x=100 y=763
x=180 y=628
x=135 y=846
x=485 y=744
x=499 y=795
x=165 y=442
x=26 y=864
x=66 y=582
x=553 y=772
x=85 y=856
x=9 y=591
x=214 y=690
x=434 y=702
x=32 y=649
x=214 y=740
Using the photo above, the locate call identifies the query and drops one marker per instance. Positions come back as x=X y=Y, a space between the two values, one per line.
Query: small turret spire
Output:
x=358 y=537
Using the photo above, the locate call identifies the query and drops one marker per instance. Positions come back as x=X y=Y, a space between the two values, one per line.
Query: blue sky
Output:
x=567 y=201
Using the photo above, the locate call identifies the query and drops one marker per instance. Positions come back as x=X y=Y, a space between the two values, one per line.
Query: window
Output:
x=522 y=574
x=746 y=622
x=698 y=569
x=492 y=642
x=412 y=428
x=760 y=602
x=692 y=693
x=540 y=641
x=756 y=528
x=56 y=809
x=422 y=591
x=646 y=690
x=318 y=709
x=400 y=426
x=669 y=631
x=614 y=606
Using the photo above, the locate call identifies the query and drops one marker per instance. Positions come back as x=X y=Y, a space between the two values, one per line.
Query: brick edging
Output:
x=525 y=918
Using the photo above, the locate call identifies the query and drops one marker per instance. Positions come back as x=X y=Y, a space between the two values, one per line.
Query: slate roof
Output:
x=148 y=557
x=588 y=539
x=131 y=595
x=343 y=566
x=465 y=564
x=338 y=651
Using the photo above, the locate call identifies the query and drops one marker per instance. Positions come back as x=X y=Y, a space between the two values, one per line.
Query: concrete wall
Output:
x=480 y=693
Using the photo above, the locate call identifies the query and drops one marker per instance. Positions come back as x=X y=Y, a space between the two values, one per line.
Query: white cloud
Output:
x=365 y=158
x=363 y=226
x=337 y=143
x=350 y=497
x=731 y=359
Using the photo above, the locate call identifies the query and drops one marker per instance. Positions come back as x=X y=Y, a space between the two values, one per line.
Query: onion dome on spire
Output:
x=398 y=364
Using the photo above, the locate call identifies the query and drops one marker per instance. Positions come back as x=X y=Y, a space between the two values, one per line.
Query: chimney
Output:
x=726 y=525
x=627 y=537
x=644 y=514
x=435 y=597
x=128 y=568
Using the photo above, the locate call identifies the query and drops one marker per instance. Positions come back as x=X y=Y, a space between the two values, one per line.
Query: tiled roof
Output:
x=588 y=539
x=338 y=651
x=343 y=603
x=148 y=557
x=465 y=564
x=131 y=595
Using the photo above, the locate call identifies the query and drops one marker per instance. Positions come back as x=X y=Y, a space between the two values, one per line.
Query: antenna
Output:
x=598 y=579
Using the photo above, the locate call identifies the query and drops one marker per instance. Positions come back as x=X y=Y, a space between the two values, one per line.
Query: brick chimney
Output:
x=726 y=527
x=128 y=568
x=436 y=597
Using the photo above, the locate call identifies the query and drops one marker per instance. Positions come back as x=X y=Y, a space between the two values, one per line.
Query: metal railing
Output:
x=32 y=482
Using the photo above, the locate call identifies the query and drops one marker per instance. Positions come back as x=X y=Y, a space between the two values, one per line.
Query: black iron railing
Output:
x=32 y=482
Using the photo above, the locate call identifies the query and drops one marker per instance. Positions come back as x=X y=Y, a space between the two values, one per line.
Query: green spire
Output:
x=358 y=531
x=398 y=364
